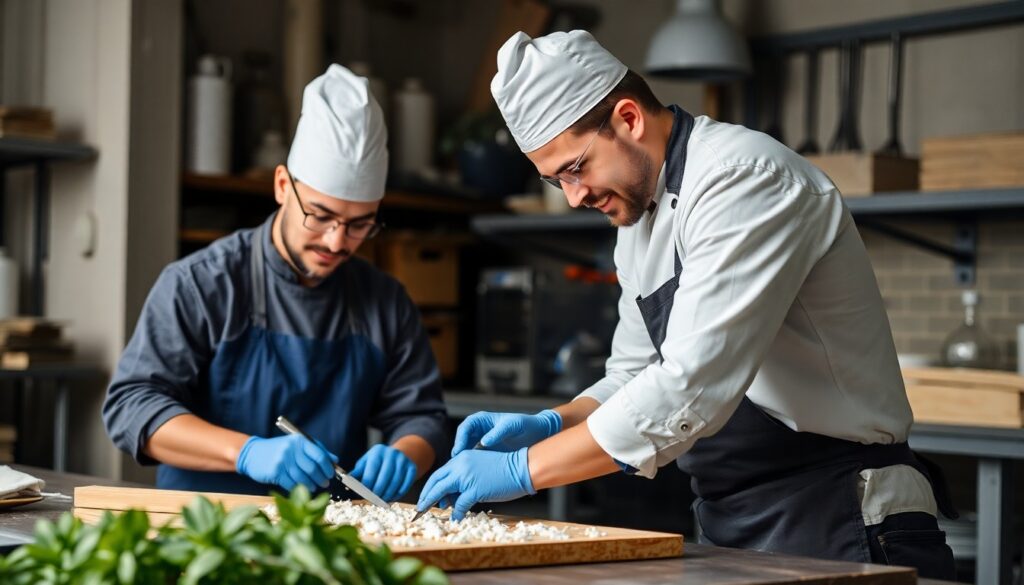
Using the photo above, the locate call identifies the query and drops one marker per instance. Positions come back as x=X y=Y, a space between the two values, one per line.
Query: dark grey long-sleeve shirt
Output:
x=204 y=300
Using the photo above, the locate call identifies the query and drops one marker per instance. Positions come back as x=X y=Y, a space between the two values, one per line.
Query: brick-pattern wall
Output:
x=922 y=298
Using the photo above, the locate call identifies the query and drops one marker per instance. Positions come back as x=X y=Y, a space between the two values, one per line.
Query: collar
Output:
x=675 y=151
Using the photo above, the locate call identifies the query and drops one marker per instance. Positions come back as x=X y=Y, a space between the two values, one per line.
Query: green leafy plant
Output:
x=211 y=546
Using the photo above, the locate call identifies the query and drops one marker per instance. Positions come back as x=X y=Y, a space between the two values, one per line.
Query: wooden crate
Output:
x=617 y=544
x=968 y=397
x=979 y=161
x=859 y=174
x=428 y=266
x=443 y=331
x=8 y=436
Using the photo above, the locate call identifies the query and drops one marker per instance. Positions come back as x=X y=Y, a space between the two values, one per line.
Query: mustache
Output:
x=342 y=254
x=592 y=198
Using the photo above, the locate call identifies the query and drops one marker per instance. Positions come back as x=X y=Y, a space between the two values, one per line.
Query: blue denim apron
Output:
x=759 y=484
x=325 y=386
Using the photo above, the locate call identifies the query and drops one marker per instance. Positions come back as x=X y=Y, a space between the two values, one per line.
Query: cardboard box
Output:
x=979 y=161
x=443 y=331
x=428 y=266
x=860 y=174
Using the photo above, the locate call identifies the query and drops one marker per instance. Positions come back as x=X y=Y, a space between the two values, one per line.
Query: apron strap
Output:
x=352 y=301
x=675 y=155
x=259 y=290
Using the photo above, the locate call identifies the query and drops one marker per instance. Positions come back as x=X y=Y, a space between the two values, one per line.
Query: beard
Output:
x=635 y=196
x=296 y=255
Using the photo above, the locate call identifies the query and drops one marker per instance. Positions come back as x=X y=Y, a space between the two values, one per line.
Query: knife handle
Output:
x=289 y=427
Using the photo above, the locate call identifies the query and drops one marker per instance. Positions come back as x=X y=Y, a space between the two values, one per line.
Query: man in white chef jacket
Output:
x=752 y=347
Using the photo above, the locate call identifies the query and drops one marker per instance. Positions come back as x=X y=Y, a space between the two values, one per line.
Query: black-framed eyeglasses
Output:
x=572 y=175
x=360 y=229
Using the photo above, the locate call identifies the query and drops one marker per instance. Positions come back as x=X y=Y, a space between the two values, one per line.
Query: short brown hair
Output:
x=633 y=87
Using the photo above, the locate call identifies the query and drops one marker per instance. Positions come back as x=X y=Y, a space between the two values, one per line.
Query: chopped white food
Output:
x=591 y=532
x=395 y=526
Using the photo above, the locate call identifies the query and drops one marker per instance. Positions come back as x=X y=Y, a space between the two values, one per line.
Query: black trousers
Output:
x=912 y=539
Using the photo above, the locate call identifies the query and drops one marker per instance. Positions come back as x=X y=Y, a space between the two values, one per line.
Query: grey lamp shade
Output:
x=698 y=43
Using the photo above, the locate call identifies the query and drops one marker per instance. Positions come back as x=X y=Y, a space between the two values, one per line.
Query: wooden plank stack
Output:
x=30 y=341
x=967 y=397
x=979 y=161
x=617 y=544
x=8 y=436
x=27 y=122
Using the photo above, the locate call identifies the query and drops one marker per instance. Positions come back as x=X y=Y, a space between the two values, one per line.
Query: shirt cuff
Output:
x=601 y=391
x=632 y=438
x=627 y=469
x=431 y=429
x=149 y=427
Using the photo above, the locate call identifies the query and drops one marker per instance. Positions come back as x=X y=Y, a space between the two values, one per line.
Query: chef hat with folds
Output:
x=544 y=85
x=340 y=145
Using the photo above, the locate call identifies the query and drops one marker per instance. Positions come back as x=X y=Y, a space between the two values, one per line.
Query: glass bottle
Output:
x=969 y=346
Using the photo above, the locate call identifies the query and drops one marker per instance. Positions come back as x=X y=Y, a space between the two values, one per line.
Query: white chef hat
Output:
x=340 y=144
x=544 y=85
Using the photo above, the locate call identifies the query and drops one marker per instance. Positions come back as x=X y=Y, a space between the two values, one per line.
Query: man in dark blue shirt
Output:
x=282 y=319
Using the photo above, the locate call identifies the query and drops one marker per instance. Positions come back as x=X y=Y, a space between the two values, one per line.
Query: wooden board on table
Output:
x=617 y=544
x=101 y=497
x=964 y=396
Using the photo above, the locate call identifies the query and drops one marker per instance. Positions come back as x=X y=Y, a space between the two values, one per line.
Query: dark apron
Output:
x=759 y=484
x=326 y=387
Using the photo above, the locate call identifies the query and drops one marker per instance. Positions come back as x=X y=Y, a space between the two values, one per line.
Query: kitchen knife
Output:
x=349 y=481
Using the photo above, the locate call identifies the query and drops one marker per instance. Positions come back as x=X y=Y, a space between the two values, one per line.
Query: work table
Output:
x=706 y=565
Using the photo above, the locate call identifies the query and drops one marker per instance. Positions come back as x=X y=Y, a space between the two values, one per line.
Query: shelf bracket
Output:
x=963 y=252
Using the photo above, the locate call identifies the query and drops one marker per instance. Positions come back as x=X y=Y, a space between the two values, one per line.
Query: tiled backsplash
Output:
x=922 y=298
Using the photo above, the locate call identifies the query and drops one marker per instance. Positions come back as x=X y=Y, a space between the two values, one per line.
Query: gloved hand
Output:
x=478 y=476
x=388 y=472
x=501 y=431
x=286 y=461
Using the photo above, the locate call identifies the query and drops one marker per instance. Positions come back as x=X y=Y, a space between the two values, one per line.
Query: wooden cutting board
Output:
x=617 y=544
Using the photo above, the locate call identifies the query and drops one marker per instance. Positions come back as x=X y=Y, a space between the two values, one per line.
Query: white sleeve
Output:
x=632 y=350
x=750 y=237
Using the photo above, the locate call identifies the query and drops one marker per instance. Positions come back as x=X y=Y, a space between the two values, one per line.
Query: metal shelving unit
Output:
x=39 y=154
x=963 y=207
x=886 y=205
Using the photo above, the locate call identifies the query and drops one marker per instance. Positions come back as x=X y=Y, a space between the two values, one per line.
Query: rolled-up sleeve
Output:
x=410 y=401
x=749 y=239
x=160 y=367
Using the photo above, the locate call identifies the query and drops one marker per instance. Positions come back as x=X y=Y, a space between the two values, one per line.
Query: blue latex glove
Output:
x=287 y=462
x=478 y=476
x=501 y=431
x=388 y=472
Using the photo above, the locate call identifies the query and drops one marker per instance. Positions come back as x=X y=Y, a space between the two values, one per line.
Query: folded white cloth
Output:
x=15 y=484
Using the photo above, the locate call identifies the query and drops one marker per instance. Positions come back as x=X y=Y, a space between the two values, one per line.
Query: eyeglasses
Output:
x=572 y=175
x=361 y=229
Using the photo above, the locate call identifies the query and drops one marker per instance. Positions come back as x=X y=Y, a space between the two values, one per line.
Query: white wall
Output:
x=86 y=82
x=153 y=160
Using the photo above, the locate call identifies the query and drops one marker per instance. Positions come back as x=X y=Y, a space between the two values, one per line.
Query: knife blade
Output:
x=419 y=514
x=350 y=482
